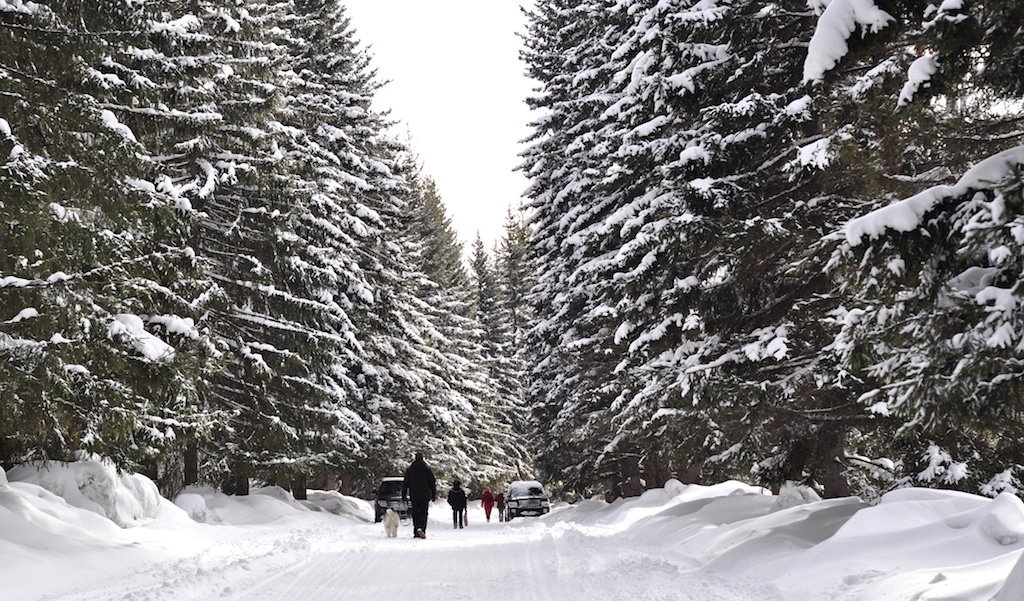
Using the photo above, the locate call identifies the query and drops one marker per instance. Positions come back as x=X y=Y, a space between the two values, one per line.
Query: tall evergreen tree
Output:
x=515 y=278
x=564 y=55
x=441 y=257
x=337 y=160
x=505 y=409
x=238 y=160
x=693 y=164
x=933 y=320
x=469 y=427
x=102 y=349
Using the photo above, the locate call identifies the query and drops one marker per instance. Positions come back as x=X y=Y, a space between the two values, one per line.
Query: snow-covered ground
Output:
x=695 y=543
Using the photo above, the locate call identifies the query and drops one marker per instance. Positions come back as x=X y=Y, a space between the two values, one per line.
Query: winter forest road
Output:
x=525 y=560
x=338 y=560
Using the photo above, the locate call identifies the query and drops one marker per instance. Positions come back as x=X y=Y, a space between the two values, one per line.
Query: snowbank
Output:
x=31 y=518
x=266 y=504
x=93 y=485
x=914 y=544
x=730 y=527
x=62 y=534
x=624 y=514
x=339 y=504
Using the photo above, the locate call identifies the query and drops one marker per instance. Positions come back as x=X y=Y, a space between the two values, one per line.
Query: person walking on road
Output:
x=420 y=488
x=457 y=499
x=487 y=501
x=499 y=502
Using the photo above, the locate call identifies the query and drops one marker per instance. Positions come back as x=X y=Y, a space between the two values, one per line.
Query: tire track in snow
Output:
x=522 y=563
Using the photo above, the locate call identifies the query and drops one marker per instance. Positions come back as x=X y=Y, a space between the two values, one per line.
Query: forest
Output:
x=770 y=241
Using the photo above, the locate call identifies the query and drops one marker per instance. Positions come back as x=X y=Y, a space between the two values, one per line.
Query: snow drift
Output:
x=95 y=486
x=914 y=544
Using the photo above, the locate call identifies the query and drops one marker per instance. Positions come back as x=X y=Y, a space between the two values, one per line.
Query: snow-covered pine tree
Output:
x=341 y=162
x=515 y=278
x=441 y=258
x=396 y=368
x=466 y=425
x=217 y=128
x=565 y=53
x=690 y=258
x=515 y=281
x=647 y=236
x=723 y=292
x=100 y=345
x=933 y=323
x=504 y=415
x=482 y=280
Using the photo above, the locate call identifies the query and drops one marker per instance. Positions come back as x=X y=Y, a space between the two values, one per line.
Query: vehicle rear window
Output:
x=526 y=491
x=390 y=487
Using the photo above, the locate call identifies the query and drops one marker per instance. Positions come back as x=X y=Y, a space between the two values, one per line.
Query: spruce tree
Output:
x=466 y=426
x=504 y=414
x=705 y=192
x=564 y=53
x=932 y=323
x=441 y=257
x=218 y=128
x=515 y=278
x=103 y=350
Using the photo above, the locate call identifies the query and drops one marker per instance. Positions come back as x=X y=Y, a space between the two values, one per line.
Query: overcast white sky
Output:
x=458 y=86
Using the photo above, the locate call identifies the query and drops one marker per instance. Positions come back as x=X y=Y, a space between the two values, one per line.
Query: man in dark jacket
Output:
x=420 y=488
x=457 y=499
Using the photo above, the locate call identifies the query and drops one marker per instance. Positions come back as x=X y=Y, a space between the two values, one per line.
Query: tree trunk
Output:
x=151 y=470
x=299 y=488
x=348 y=484
x=5 y=455
x=834 y=470
x=689 y=475
x=632 y=487
x=242 y=484
x=655 y=473
x=238 y=482
x=612 y=488
x=191 y=465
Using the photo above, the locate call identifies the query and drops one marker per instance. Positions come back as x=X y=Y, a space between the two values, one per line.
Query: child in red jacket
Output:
x=487 y=500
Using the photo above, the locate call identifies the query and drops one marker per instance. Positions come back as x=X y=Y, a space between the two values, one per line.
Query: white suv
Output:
x=526 y=497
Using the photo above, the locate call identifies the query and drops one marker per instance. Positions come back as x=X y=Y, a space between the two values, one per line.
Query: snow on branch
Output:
x=111 y=122
x=905 y=215
x=28 y=313
x=20 y=6
x=920 y=71
x=835 y=25
x=178 y=27
x=130 y=329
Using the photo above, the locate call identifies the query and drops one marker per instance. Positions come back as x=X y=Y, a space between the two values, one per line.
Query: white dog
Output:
x=391 y=523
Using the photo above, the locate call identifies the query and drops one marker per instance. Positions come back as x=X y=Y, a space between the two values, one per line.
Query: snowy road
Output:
x=724 y=542
x=524 y=560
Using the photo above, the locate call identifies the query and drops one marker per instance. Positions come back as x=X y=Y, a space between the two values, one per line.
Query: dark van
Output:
x=389 y=495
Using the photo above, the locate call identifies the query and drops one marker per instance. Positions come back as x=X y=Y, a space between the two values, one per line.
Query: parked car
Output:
x=388 y=494
x=526 y=497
